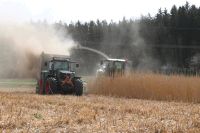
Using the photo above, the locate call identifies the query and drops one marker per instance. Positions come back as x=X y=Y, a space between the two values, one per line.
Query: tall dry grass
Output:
x=149 y=86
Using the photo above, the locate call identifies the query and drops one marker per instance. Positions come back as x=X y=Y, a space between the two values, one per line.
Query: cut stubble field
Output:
x=25 y=111
x=92 y=113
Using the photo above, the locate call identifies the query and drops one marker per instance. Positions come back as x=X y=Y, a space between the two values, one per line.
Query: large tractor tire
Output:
x=50 y=86
x=78 y=85
x=40 y=85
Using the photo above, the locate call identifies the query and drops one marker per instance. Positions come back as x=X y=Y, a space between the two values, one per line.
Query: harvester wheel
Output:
x=78 y=85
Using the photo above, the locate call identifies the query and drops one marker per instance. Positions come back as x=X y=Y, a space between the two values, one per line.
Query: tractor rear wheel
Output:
x=40 y=85
x=49 y=87
x=78 y=85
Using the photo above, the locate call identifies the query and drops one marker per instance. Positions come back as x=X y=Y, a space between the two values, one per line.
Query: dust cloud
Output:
x=22 y=44
x=129 y=44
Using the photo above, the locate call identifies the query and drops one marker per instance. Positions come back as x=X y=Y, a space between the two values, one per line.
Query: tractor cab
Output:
x=59 y=65
x=111 y=67
x=62 y=66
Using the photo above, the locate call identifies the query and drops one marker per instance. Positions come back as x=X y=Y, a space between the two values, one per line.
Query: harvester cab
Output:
x=112 y=67
x=58 y=76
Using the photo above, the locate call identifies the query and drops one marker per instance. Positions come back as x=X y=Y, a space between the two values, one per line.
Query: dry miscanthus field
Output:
x=149 y=86
x=166 y=110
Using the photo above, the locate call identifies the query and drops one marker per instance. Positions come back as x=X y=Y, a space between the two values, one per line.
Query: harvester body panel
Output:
x=112 y=67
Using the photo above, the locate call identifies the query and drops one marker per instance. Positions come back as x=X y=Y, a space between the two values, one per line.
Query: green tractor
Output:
x=112 y=67
x=57 y=76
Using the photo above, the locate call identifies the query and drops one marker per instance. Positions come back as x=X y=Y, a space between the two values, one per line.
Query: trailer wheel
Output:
x=78 y=85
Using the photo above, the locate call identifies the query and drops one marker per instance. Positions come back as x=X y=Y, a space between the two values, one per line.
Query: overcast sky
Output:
x=83 y=10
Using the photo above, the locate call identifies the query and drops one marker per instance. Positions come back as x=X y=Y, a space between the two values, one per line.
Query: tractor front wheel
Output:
x=78 y=85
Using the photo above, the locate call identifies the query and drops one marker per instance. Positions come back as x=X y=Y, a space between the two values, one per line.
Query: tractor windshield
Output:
x=61 y=65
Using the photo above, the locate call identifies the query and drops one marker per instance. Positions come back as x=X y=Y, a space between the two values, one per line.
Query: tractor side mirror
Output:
x=77 y=65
